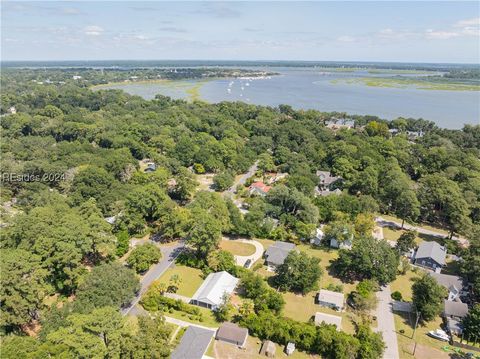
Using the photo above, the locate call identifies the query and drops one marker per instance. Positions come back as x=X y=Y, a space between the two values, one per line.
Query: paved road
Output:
x=169 y=253
x=386 y=324
x=389 y=223
x=242 y=180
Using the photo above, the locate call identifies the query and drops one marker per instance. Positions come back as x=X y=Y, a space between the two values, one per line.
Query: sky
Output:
x=420 y=31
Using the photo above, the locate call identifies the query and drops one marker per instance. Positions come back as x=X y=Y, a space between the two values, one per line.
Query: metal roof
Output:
x=329 y=296
x=328 y=319
x=214 y=287
x=194 y=343
x=432 y=250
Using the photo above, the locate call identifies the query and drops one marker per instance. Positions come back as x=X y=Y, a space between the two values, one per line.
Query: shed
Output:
x=213 y=288
x=290 y=348
x=330 y=299
x=268 y=349
x=233 y=334
x=328 y=319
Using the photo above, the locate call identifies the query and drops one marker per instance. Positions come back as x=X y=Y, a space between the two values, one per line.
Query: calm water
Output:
x=310 y=88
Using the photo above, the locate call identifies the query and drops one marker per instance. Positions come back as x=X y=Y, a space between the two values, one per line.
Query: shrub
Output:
x=397 y=295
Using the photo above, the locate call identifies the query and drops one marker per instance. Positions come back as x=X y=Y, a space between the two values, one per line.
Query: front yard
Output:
x=191 y=279
x=237 y=248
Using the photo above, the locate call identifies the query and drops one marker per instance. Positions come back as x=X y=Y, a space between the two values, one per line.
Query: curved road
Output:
x=169 y=253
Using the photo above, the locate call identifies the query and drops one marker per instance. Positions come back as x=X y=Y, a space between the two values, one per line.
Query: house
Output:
x=259 y=189
x=328 y=319
x=347 y=244
x=453 y=284
x=339 y=124
x=327 y=181
x=76 y=77
x=317 y=239
x=194 y=343
x=290 y=348
x=454 y=310
x=430 y=255
x=327 y=298
x=151 y=167
x=327 y=192
x=268 y=349
x=272 y=177
x=214 y=287
x=233 y=334
x=276 y=254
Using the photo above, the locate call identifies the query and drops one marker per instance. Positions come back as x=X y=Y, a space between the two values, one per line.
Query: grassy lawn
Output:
x=191 y=279
x=207 y=316
x=237 y=248
x=251 y=350
x=265 y=242
x=403 y=284
x=405 y=341
x=303 y=308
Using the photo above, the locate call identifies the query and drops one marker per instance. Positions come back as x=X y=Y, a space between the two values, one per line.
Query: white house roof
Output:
x=214 y=287
x=328 y=296
x=432 y=250
x=328 y=319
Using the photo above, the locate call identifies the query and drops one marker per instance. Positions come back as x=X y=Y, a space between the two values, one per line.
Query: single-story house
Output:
x=276 y=254
x=318 y=237
x=454 y=310
x=268 y=349
x=259 y=189
x=347 y=244
x=213 y=288
x=328 y=319
x=453 y=283
x=233 y=334
x=194 y=343
x=338 y=124
x=430 y=255
x=290 y=348
x=328 y=298
x=327 y=181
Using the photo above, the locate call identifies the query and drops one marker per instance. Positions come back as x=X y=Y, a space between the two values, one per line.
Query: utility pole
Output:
x=414 y=330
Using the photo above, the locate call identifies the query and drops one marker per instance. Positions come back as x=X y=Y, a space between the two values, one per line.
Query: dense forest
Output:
x=72 y=157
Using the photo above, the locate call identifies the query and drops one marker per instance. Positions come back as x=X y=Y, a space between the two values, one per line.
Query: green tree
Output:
x=372 y=345
x=205 y=233
x=143 y=256
x=224 y=311
x=112 y=285
x=406 y=241
x=220 y=260
x=368 y=259
x=428 y=297
x=222 y=181
x=299 y=272
x=471 y=323
x=174 y=222
x=23 y=287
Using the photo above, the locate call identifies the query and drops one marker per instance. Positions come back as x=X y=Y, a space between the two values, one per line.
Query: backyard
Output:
x=237 y=248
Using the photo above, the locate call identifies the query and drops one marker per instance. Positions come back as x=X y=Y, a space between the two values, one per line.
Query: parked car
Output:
x=247 y=263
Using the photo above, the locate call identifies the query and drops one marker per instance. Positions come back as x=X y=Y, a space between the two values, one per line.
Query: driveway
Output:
x=169 y=253
x=240 y=260
x=242 y=180
x=386 y=324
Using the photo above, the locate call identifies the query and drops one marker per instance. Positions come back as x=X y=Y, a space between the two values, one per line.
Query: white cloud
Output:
x=346 y=38
x=93 y=30
x=440 y=35
x=475 y=22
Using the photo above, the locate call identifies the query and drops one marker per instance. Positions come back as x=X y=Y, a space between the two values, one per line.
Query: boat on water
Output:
x=439 y=334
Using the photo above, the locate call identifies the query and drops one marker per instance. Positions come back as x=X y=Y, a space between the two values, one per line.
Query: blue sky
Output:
x=420 y=31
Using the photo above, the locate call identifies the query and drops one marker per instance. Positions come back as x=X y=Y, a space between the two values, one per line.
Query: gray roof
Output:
x=328 y=319
x=193 y=344
x=214 y=287
x=448 y=281
x=232 y=333
x=278 y=252
x=455 y=309
x=328 y=296
x=326 y=177
x=432 y=250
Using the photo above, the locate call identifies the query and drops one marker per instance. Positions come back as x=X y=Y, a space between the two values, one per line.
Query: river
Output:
x=326 y=90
